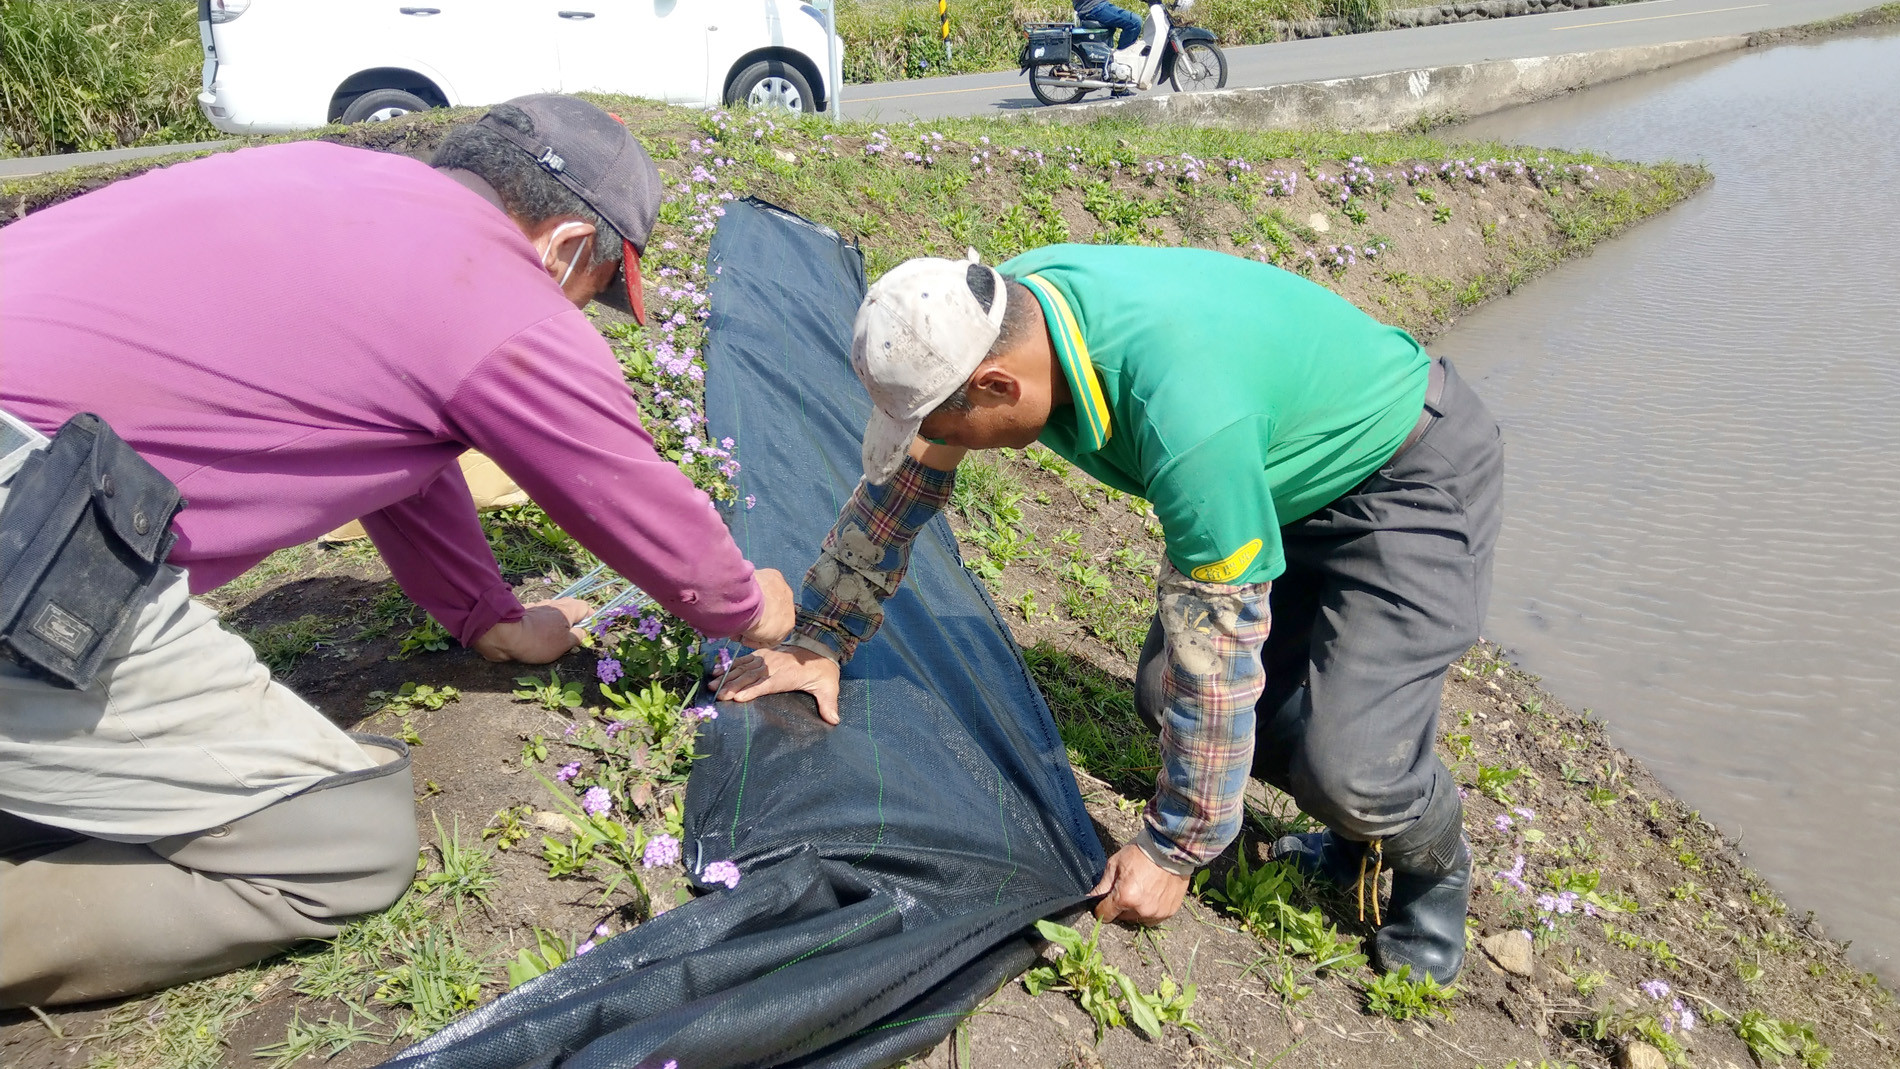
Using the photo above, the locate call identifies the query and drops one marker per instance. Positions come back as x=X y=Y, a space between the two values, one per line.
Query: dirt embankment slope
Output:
x=1412 y=230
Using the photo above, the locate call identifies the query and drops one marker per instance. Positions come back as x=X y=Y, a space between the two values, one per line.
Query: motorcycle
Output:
x=1067 y=61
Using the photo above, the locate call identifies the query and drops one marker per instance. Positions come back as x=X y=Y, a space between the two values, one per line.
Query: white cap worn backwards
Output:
x=921 y=333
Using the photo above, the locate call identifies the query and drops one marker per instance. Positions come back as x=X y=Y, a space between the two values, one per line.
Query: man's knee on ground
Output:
x=1358 y=800
x=345 y=846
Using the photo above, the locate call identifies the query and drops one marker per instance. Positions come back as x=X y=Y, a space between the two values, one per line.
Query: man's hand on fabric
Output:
x=779 y=671
x=778 y=610
x=546 y=632
x=1136 y=889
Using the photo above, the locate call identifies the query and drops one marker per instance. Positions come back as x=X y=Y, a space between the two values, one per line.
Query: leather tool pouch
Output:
x=83 y=535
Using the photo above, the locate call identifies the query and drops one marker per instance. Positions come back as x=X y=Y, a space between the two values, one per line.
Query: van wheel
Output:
x=382 y=105
x=771 y=83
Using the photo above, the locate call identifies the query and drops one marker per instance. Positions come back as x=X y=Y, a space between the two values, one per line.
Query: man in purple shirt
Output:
x=297 y=336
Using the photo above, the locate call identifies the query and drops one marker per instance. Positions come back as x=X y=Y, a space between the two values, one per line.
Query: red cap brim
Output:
x=635 y=303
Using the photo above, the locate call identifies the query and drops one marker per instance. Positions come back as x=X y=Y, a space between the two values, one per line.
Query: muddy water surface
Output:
x=1702 y=541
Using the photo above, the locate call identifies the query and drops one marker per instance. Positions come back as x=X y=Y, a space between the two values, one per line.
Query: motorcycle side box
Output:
x=1047 y=46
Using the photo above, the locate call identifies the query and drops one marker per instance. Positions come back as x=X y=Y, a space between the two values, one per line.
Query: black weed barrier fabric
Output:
x=892 y=865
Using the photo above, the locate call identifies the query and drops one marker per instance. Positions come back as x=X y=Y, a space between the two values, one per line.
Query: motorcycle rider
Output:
x=1106 y=13
x=1112 y=16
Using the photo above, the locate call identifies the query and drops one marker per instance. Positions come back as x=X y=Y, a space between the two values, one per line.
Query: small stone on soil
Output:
x=1511 y=950
x=1640 y=1055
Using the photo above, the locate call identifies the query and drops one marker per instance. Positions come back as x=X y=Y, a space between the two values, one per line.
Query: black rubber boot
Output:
x=1431 y=891
x=1323 y=854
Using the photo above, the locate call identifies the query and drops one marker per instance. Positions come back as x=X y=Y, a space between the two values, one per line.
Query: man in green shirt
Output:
x=1329 y=496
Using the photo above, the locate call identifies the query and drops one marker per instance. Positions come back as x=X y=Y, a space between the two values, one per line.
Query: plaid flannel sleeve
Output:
x=1212 y=680
x=864 y=559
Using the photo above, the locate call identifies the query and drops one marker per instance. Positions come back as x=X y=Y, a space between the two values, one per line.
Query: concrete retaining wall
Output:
x=1403 y=98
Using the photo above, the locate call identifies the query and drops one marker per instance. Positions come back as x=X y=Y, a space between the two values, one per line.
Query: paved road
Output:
x=28 y=165
x=1321 y=58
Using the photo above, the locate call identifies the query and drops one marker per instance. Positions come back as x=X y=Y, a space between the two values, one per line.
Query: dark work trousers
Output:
x=1383 y=589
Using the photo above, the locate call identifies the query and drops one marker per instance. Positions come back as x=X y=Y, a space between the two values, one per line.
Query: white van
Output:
x=272 y=66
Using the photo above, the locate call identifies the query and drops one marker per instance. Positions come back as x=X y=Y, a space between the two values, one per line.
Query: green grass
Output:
x=281 y=646
x=1095 y=714
x=325 y=1039
x=80 y=75
x=180 y=1028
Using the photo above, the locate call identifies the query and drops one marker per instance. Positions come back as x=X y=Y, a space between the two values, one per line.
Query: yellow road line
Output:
x=1653 y=18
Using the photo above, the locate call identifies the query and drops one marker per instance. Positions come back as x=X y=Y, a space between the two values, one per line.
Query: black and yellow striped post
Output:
x=943 y=26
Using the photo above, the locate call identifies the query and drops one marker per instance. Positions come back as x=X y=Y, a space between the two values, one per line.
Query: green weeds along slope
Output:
x=561 y=788
x=78 y=75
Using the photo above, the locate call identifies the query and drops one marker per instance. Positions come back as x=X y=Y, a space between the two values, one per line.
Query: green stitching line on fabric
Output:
x=745 y=768
x=913 y=1020
x=1009 y=848
x=877 y=762
x=835 y=938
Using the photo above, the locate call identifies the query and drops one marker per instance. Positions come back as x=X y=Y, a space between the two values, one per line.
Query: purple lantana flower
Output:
x=661 y=850
x=1515 y=876
x=568 y=771
x=648 y=628
x=722 y=661
x=597 y=802
x=583 y=948
x=609 y=670
x=721 y=872
x=1655 y=988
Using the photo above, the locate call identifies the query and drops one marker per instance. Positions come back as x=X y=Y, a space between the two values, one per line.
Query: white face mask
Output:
x=554 y=242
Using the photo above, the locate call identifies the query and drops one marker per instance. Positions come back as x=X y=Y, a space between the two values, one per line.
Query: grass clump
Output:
x=82 y=75
x=281 y=646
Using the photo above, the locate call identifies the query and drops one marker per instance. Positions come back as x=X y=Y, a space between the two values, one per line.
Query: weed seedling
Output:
x=1108 y=995
x=552 y=694
x=508 y=827
x=534 y=750
x=1397 y=996
x=548 y=951
x=413 y=697
x=1262 y=899
x=1492 y=779
x=1770 y=1040
x=426 y=637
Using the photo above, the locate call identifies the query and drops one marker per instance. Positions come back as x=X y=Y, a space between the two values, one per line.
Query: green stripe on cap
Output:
x=1090 y=404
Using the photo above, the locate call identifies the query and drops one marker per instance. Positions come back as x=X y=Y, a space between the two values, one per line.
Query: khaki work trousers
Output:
x=184 y=815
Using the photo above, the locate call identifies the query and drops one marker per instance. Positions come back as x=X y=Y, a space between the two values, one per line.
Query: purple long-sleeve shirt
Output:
x=301 y=335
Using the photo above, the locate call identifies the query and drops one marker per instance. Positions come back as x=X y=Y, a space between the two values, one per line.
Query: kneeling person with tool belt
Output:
x=293 y=337
x=1329 y=496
